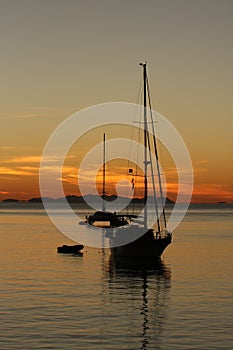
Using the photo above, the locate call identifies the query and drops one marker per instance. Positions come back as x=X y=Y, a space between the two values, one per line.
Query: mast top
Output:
x=143 y=64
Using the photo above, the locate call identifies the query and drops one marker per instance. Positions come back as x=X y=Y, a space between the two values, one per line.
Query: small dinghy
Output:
x=70 y=249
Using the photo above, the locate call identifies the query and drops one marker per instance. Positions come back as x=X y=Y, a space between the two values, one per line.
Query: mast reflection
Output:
x=146 y=283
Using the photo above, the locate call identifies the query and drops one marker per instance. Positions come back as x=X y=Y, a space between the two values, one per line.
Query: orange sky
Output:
x=58 y=58
x=19 y=179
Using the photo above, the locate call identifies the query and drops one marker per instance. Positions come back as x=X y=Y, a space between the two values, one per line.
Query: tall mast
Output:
x=144 y=65
x=103 y=189
x=158 y=167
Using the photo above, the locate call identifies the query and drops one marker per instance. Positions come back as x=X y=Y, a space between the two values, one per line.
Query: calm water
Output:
x=51 y=301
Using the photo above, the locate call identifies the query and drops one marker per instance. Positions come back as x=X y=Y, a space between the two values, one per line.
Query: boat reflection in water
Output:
x=140 y=289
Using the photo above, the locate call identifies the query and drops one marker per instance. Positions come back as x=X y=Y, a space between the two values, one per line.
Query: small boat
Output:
x=148 y=242
x=70 y=249
x=106 y=219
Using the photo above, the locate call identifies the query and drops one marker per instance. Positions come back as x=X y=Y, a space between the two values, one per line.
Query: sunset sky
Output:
x=60 y=56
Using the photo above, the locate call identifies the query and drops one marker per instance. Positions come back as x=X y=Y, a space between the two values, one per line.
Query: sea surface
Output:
x=87 y=302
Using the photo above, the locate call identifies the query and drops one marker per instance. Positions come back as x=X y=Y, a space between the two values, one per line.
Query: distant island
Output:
x=10 y=200
x=76 y=199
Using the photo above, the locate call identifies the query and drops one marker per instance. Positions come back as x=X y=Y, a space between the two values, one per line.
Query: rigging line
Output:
x=139 y=137
x=111 y=186
x=132 y=129
x=108 y=173
x=140 y=130
x=153 y=183
x=136 y=108
x=104 y=177
x=132 y=134
x=156 y=155
x=99 y=174
x=160 y=150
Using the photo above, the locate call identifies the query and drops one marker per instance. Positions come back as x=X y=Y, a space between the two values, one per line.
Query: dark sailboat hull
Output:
x=143 y=247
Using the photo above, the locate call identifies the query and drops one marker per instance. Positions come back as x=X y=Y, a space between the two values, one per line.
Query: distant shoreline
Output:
x=80 y=200
x=76 y=199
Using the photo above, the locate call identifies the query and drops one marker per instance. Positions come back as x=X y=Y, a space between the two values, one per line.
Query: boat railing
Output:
x=163 y=234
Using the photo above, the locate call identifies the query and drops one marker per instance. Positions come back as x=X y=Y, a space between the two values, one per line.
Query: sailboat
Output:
x=148 y=242
x=106 y=219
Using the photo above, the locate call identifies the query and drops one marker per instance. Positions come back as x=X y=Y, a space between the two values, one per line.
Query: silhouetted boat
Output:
x=70 y=249
x=149 y=243
x=104 y=218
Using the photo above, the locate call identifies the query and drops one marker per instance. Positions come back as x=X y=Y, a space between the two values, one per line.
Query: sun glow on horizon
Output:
x=24 y=175
x=19 y=179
